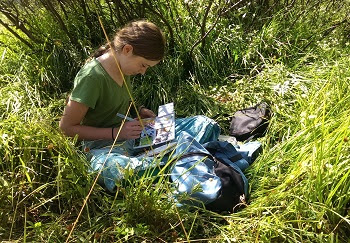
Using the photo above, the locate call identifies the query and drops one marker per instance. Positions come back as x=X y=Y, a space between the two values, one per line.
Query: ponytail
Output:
x=100 y=51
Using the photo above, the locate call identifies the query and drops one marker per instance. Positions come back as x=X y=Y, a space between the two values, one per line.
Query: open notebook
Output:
x=158 y=130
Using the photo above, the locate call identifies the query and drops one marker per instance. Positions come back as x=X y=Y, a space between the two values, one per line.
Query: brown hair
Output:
x=145 y=37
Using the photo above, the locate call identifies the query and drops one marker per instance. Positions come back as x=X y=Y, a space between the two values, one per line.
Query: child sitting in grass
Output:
x=102 y=89
x=99 y=91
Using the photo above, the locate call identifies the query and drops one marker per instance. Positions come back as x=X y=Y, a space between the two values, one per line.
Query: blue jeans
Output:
x=113 y=161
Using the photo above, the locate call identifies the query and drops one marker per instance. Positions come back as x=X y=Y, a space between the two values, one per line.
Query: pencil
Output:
x=125 y=117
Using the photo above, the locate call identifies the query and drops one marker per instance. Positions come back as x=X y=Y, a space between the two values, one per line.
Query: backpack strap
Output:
x=189 y=154
x=236 y=157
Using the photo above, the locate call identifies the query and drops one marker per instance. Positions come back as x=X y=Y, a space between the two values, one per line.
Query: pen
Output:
x=125 y=117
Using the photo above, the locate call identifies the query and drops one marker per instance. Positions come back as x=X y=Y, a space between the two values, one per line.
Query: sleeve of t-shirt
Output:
x=86 y=90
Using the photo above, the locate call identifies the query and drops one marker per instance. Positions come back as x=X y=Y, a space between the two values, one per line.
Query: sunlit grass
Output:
x=299 y=186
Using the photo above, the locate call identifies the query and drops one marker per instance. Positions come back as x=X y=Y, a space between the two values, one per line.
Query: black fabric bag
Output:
x=232 y=196
x=251 y=122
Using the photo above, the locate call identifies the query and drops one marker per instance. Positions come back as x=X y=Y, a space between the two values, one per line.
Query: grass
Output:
x=299 y=186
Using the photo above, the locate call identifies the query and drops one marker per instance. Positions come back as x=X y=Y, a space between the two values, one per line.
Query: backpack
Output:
x=232 y=184
x=251 y=122
x=212 y=174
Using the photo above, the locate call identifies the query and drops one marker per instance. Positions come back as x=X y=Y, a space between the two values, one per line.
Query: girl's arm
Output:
x=74 y=113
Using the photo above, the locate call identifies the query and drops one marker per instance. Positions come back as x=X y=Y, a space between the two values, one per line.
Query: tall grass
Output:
x=299 y=186
x=42 y=172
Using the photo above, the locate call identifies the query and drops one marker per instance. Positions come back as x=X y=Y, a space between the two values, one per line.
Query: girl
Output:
x=101 y=91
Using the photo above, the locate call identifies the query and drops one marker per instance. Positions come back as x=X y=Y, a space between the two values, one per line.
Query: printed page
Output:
x=158 y=130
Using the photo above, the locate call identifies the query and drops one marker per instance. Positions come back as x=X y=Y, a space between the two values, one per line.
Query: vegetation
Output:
x=222 y=56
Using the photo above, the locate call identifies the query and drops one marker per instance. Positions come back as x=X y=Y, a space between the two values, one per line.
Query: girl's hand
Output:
x=146 y=113
x=130 y=130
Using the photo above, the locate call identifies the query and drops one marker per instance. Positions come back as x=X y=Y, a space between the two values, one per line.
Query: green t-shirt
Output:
x=105 y=98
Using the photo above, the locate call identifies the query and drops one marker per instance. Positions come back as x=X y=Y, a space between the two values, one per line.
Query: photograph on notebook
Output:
x=158 y=130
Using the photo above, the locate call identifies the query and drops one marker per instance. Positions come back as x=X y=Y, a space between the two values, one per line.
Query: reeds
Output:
x=295 y=58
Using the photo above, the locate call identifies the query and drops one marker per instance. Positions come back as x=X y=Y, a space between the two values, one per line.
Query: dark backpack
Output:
x=215 y=168
x=251 y=122
x=231 y=195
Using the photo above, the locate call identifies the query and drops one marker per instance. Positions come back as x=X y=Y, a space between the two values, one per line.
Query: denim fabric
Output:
x=201 y=128
x=195 y=175
x=122 y=156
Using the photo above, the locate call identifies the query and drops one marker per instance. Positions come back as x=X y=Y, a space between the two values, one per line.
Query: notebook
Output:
x=158 y=130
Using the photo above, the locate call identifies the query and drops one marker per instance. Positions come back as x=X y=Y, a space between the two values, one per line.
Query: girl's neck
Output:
x=108 y=62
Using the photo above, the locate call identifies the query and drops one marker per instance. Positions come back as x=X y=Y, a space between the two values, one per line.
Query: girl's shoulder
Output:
x=90 y=68
x=91 y=71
